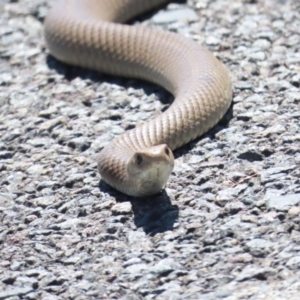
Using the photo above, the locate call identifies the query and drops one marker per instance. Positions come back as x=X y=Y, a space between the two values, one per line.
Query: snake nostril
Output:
x=167 y=151
x=138 y=159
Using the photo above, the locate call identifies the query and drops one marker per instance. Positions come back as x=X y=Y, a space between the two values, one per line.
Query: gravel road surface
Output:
x=226 y=227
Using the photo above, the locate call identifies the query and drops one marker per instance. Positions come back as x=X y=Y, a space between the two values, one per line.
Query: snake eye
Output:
x=138 y=159
x=167 y=151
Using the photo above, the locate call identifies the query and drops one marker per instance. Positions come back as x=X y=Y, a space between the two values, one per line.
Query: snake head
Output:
x=150 y=169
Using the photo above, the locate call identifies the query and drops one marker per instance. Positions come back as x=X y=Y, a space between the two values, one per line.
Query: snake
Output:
x=92 y=34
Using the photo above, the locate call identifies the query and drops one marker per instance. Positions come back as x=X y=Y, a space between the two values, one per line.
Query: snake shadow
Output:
x=154 y=214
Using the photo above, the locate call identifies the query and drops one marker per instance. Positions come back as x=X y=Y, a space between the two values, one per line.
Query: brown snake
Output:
x=84 y=33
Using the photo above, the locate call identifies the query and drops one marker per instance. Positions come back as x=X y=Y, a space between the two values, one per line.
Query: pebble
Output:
x=294 y=211
x=45 y=201
x=259 y=247
x=19 y=292
x=284 y=203
x=176 y=15
x=254 y=273
x=165 y=266
x=212 y=41
x=257 y=56
x=293 y=263
x=274 y=129
x=262 y=44
x=122 y=208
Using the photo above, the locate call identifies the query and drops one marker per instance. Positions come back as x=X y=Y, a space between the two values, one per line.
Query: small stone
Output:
x=4 y=263
x=293 y=263
x=291 y=138
x=5 y=78
x=73 y=178
x=273 y=174
x=243 y=85
x=26 y=281
x=274 y=130
x=131 y=296
x=212 y=41
x=262 y=44
x=284 y=203
x=6 y=154
x=12 y=135
x=164 y=267
x=172 y=290
x=104 y=205
x=15 y=292
x=139 y=240
x=234 y=207
x=137 y=268
x=122 y=208
x=30 y=218
x=38 y=142
x=255 y=272
x=35 y=169
x=245 y=116
x=294 y=211
x=17 y=265
x=51 y=124
x=71 y=260
x=44 y=201
x=31 y=260
x=35 y=272
x=46 y=185
x=81 y=143
x=47 y=112
x=132 y=261
x=71 y=223
x=184 y=14
x=241 y=258
x=62 y=88
x=230 y=194
x=257 y=56
x=259 y=247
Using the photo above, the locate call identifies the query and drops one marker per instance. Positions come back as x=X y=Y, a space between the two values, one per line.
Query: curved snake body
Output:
x=85 y=33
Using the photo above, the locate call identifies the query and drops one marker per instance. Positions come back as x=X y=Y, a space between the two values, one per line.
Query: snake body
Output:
x=86 y=33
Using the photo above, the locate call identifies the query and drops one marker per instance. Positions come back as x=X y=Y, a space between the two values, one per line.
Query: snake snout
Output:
x=151 y=168
x=160 y=154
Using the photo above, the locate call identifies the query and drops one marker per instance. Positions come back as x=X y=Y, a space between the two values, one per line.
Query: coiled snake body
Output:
x=85 y=33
